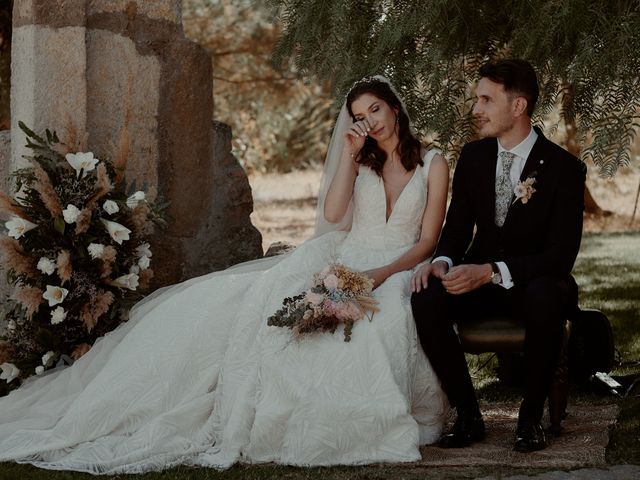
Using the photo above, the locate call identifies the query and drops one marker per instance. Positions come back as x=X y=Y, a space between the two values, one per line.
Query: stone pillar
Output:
x=48 y=69
x=122 y=64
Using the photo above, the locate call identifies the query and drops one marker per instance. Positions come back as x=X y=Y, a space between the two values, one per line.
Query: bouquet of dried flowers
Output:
x=75 y=253
x=337 y=296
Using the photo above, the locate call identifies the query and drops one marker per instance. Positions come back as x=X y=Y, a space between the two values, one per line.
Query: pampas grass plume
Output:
x=12 y=256
x=44 y=187
x=8 y=207
x=144 y=279
x=83 y=222
x=30 y=298
x=65 y=268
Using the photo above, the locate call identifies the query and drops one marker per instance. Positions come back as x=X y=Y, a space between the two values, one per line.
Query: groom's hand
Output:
x=420 y=279
x=465 y=278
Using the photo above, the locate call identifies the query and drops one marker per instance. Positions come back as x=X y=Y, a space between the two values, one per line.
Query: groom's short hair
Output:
x=516 y=76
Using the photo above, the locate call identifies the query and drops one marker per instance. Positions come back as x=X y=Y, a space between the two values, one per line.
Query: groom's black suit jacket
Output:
x=539 y=238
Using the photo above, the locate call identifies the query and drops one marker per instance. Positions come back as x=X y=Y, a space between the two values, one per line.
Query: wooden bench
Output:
x=505 y=337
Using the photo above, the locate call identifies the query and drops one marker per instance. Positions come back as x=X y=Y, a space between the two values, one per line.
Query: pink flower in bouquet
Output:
x=331 y=282
x=346 y=311
x=314 y=298
x=330 y=308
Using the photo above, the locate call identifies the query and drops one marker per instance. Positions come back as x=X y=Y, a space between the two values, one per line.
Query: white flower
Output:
x=110 y=207
x=144 y=262
x=9 y=372
x=70 y=213
x=58 y=315
x=46 y=266
x=144 y=250
x=48 y=358
x=39 y=370
x=331 y=282
x=136 y=198
x=524 y=190
x=134 y=269
x=129 y=281
x=55 y=295
x=19 y=226
x=82 y=162
x=96 y=250
x=118 y=232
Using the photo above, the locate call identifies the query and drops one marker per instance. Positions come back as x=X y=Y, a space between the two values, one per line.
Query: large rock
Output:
x=227 y=226
x=108 y=66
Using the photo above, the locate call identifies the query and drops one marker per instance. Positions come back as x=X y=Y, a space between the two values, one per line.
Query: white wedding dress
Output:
x=197 y=377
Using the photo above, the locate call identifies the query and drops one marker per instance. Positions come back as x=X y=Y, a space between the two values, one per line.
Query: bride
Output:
x=198 y=377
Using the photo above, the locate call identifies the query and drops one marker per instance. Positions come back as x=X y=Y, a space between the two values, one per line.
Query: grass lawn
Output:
x=608 y=272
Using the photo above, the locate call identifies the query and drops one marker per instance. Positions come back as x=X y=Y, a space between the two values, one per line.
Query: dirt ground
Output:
x=284 y=204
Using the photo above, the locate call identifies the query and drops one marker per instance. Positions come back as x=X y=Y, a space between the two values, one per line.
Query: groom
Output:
x=511 y=237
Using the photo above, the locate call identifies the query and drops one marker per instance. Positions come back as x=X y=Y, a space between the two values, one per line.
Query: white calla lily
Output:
x=118 y=233
x=19 y=226
x=55 y=295
x=82 y=162
x=136 y=198
x=9 y=372
x=129 y=281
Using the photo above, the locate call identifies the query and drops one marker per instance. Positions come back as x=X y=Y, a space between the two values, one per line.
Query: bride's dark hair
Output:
x=408 y=147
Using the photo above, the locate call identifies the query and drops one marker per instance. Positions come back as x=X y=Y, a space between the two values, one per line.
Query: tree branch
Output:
x=255 y=80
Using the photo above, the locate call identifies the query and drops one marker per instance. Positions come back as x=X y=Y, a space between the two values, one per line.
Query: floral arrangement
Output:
x=75 y=254
x=524 y=190
x=337 y=296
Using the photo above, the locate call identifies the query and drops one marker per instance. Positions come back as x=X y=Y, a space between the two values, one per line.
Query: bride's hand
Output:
x=356 y=135
x=378 y=275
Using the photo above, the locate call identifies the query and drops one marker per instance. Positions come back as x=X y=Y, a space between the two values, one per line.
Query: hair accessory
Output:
x=365 y=81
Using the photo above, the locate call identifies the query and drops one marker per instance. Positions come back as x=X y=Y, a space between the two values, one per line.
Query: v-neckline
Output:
x=384 y=193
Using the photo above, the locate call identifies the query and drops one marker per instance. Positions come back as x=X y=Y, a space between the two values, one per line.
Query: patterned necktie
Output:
x=504 y=189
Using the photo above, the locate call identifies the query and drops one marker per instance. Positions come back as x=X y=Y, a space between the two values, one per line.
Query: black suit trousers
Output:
x=542 y=304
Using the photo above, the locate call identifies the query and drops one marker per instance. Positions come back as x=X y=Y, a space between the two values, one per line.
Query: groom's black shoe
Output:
x=467 y=429
x=529 y=437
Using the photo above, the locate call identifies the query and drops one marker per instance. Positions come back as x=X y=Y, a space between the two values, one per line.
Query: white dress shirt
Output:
x=521 y=152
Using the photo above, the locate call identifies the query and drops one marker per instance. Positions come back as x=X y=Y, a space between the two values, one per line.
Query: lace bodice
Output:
x=370 y=227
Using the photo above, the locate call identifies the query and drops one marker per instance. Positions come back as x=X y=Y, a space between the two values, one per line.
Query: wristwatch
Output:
x=496 y=276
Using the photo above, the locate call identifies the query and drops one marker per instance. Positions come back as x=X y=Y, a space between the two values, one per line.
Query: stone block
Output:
x=170 y=10
x=48 y=82
x=50 y=13
x=5 y=159
x=123 y=91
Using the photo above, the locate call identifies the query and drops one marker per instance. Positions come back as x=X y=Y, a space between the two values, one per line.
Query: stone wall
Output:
x=102 y=66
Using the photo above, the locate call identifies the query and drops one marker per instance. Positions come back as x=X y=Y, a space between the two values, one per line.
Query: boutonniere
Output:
x=524 y=189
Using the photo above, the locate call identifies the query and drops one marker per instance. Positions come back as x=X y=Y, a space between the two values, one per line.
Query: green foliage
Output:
x=587 y=54
x=279 y=123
